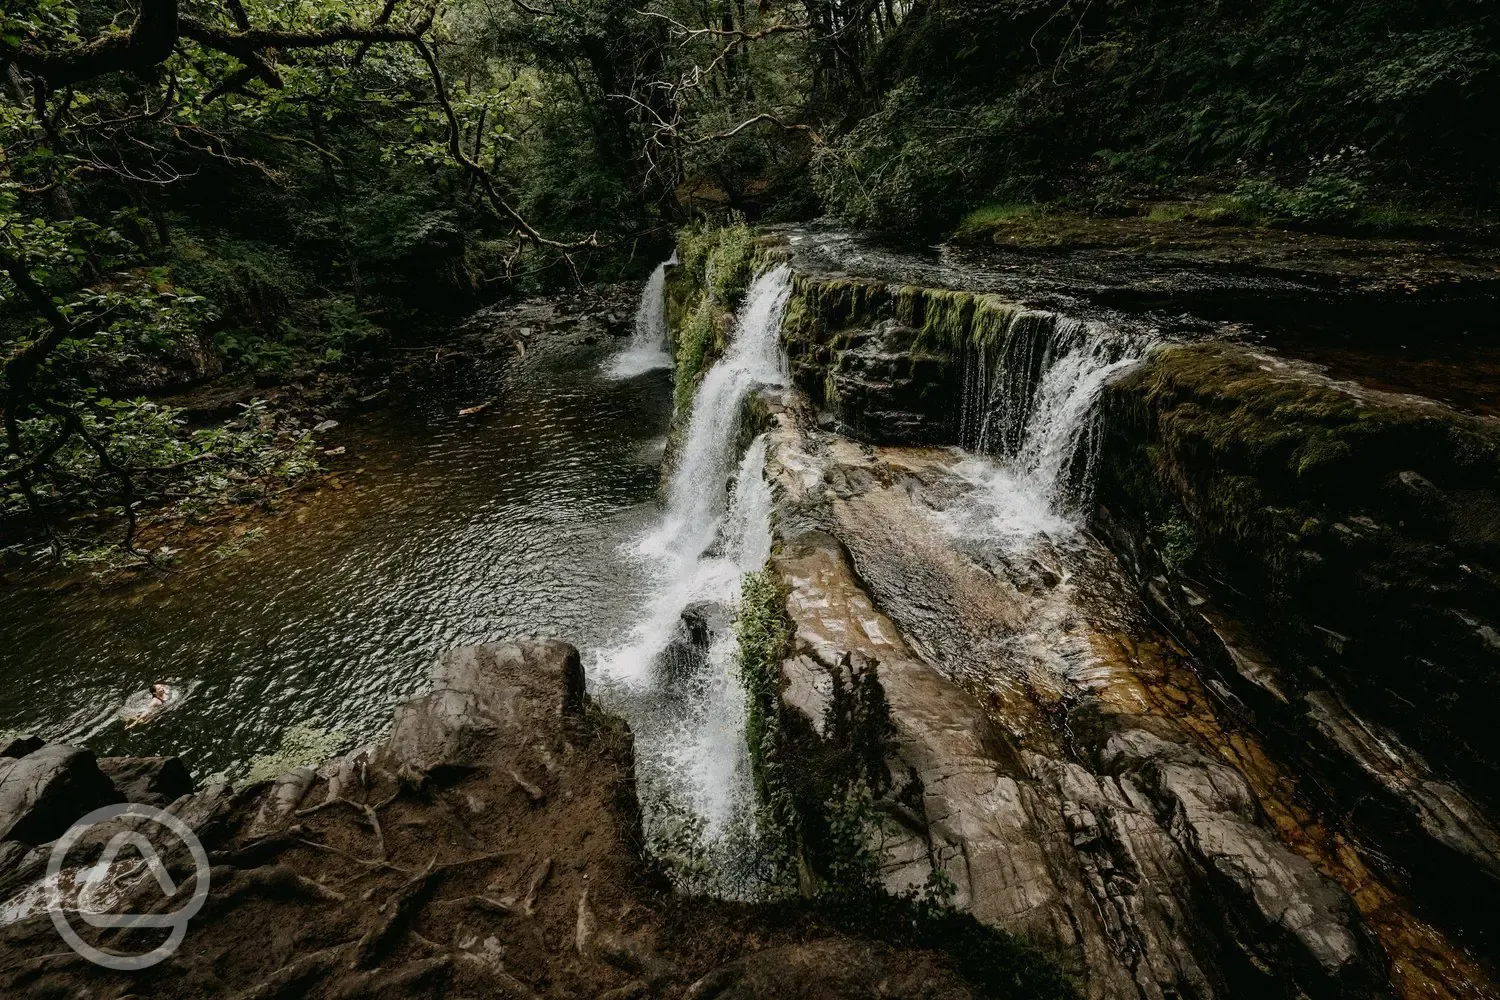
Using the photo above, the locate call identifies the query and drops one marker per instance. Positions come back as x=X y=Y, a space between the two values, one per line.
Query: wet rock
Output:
x=154 y=781
x=1448 y=816
x=204 y=809
x=481 y=693
x=1294 y=918
x=1137 y=886
x=43 y=793
x=882 y=389
x=1407 y=490
x=20 y=746
x=20 y=865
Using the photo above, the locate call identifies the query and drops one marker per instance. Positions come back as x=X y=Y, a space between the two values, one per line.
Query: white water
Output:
x=691 y=741
x=1029 y=415
x=647 y=350
x=696 y=495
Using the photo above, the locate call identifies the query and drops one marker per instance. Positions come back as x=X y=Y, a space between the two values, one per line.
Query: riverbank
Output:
x=490 y=843
x=332 y=418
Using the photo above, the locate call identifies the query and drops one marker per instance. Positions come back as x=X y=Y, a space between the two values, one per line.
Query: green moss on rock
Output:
x=1359 y=532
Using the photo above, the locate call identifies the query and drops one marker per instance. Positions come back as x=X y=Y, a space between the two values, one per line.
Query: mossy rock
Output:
x=1358 y=531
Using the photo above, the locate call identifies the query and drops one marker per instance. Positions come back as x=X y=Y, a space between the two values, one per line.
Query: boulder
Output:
x=20 y=746
x=481 y=694
x=154 y=781
x=43 y=793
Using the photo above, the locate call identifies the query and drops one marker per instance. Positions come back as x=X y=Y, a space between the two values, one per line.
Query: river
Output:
x=458 y=530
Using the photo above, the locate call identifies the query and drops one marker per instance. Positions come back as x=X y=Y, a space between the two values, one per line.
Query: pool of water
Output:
x=458 y=530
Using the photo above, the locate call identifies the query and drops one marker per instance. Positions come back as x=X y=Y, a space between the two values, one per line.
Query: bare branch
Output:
x=484 y=177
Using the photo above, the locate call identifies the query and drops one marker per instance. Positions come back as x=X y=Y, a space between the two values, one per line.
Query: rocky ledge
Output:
x=490 y=846
x=1024 y=731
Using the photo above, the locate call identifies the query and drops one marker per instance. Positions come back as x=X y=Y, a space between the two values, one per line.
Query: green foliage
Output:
x=887 y=173
x=851 y=826
x=186 y=221
x=718 y=260
x=763 y=633
x=695 y=344
x=190 y=468
x=716 y=264
x=987 y=217
x=1098 y=108
x=1178 y=544
x=729 y=266
x=1322 y=201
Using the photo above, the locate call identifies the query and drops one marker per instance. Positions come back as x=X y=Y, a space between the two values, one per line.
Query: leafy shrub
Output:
x=1323 y=201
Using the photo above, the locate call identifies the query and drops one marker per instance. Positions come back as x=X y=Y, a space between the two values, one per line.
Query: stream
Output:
x=458 y=530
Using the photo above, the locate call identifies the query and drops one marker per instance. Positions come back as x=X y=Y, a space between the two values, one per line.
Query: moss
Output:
x=730 y=265
x=715 y=266
x=989 y=217
x=302 y=745
x=718 y=261
x=696 y=348
x=763 y=633
x=1312 y=511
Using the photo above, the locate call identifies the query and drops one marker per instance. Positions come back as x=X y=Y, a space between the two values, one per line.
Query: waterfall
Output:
x=678 y=662
x=647 y=349
x=696 y=493
x=1028 y=413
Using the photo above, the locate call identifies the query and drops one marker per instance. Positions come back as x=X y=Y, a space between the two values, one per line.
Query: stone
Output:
x=1302 y=921
x=154 y=781
x=20 y=746
x=482 y=694
x=43 y=793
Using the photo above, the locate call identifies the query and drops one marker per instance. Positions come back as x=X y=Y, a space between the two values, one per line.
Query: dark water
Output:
x=459 y=529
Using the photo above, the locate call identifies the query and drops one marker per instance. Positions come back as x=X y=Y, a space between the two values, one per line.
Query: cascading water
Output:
x=647 y=350
x=677 y=664
x=1027 y=412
